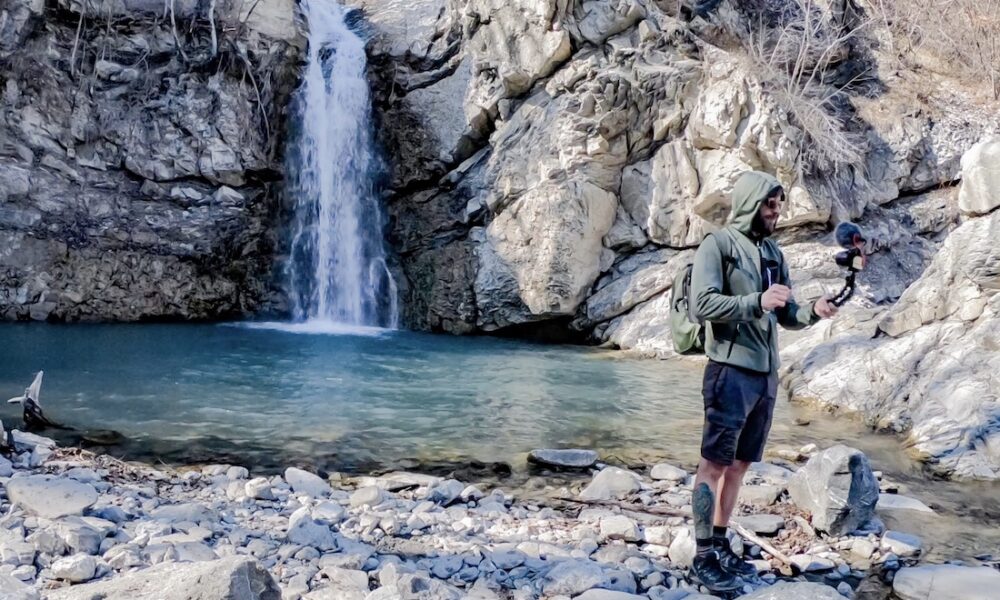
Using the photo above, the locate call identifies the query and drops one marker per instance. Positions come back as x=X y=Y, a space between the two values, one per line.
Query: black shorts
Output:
x=739 y=405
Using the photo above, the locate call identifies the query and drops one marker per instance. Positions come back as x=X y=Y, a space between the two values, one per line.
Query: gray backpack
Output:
x=687 y=331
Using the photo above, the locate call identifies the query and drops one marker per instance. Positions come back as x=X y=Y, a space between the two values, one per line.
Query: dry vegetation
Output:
x=961 y=36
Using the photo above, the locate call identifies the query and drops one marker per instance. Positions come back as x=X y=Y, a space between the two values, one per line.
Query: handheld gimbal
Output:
x=849 y=236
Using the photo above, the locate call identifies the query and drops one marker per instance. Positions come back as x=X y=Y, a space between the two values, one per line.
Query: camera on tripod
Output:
x=853 y=259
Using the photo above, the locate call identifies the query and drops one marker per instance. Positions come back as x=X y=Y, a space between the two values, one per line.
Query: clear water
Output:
x=266 y=396
x=338 y=271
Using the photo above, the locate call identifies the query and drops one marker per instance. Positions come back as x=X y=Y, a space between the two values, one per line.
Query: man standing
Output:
x=741 y=289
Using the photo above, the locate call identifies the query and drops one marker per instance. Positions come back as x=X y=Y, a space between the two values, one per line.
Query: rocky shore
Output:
x=76 y=525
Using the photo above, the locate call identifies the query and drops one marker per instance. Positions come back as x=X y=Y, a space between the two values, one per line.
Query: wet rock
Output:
x=567 y=459
x=232 y=578
x=51 y=497
x=304 y=482
x=946 y=582
x=75 y=569
x=611 y=483
x=901 y=543
x=837 y=487
x=446 y=492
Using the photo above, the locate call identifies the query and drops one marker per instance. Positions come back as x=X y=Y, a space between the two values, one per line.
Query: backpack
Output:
x=687 y=331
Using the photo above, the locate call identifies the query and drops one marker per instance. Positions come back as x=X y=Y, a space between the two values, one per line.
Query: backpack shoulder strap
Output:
x=727 y=249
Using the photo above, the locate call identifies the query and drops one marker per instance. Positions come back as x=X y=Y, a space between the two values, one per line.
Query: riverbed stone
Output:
x=13 y=589
x=619 y=527
x=566 y=459
x=51 y=497
x=795 y=590
x=946 y=582
x=762 y=524
x=667 y=472
x=761 y=495
x=682 y=548
x=367 y=496
x=901 y=543
x=611 y=483
x=75 y=569
x=573 y=577
x=837 y=487
x=599 y=594
x=809 y=562
x=231 y=578
x=446 y=492
x=304 y=482
x=259 y=488
x=892 y=502
x=302 y=529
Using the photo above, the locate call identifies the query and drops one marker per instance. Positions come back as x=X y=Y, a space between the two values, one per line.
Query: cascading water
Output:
x=337 y=269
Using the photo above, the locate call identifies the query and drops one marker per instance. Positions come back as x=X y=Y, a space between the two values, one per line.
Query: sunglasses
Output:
x=774 y=203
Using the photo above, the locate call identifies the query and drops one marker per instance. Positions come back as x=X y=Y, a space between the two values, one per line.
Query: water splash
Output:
x=337 y=270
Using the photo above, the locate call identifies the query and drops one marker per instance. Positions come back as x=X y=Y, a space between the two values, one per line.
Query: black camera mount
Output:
x=849 y=236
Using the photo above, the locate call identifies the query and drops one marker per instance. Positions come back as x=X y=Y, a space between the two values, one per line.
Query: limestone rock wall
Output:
x=138 y=155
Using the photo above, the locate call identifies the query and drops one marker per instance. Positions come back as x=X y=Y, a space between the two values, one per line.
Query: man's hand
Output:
x=776 y=296
x=824 y=309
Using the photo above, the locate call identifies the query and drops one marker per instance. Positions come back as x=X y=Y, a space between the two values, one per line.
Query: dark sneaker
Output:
x=732 y=563
x=707 y=570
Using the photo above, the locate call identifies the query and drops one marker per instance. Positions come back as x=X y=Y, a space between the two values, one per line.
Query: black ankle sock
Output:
x=705 y=546
x=719 y=531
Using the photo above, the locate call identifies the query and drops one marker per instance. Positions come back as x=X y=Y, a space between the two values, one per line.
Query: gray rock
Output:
x=13 y=589
x=837 y=487
x=808 y=562
x=259 y=488
x=568 y=459
x=191 y=512
x=232 y=578
x=368 y=496
x=980 y=177
x=598 y=594
x=946 y=582
x=890 y=502
x=903 y=544
x=51 y=497
x=611 y=483
x=762 y=524
x=619 y=527
x=786 y=590
x=446 y=492
x=665 y=472
x=303 y=530
x=682 y=548
x=392 y=482
x=237 y=473
x=304 y=482
x=75 y=569
x=573 y=577
x=761 y=495
x=660 y=535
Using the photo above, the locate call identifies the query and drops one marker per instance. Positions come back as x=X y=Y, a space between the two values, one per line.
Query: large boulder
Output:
x=837 y=487
x=51 y=497
x=232 y=578
x=946 y=582
x=980 y=178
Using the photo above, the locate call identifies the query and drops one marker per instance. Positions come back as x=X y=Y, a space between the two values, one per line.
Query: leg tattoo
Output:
x=703 y=507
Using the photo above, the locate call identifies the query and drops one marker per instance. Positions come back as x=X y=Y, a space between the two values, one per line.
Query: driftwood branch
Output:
x=673 y=512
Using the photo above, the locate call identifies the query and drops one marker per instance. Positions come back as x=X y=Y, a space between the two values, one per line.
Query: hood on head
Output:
x=750 y=191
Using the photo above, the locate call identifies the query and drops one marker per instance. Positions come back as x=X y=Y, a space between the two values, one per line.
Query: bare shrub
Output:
x=789 y=54
x=962 y=34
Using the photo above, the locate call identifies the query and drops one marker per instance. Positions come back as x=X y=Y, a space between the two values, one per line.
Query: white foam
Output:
x=316 y=327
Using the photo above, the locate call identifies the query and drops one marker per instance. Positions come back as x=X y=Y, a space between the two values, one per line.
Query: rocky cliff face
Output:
x=555 y=160
x=138 y=145
x=558 y=160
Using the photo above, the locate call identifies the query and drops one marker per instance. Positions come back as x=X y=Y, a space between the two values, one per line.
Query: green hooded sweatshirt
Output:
x=738 y=331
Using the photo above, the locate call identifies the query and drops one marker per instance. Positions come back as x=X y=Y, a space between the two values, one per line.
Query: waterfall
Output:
x=338 y=271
